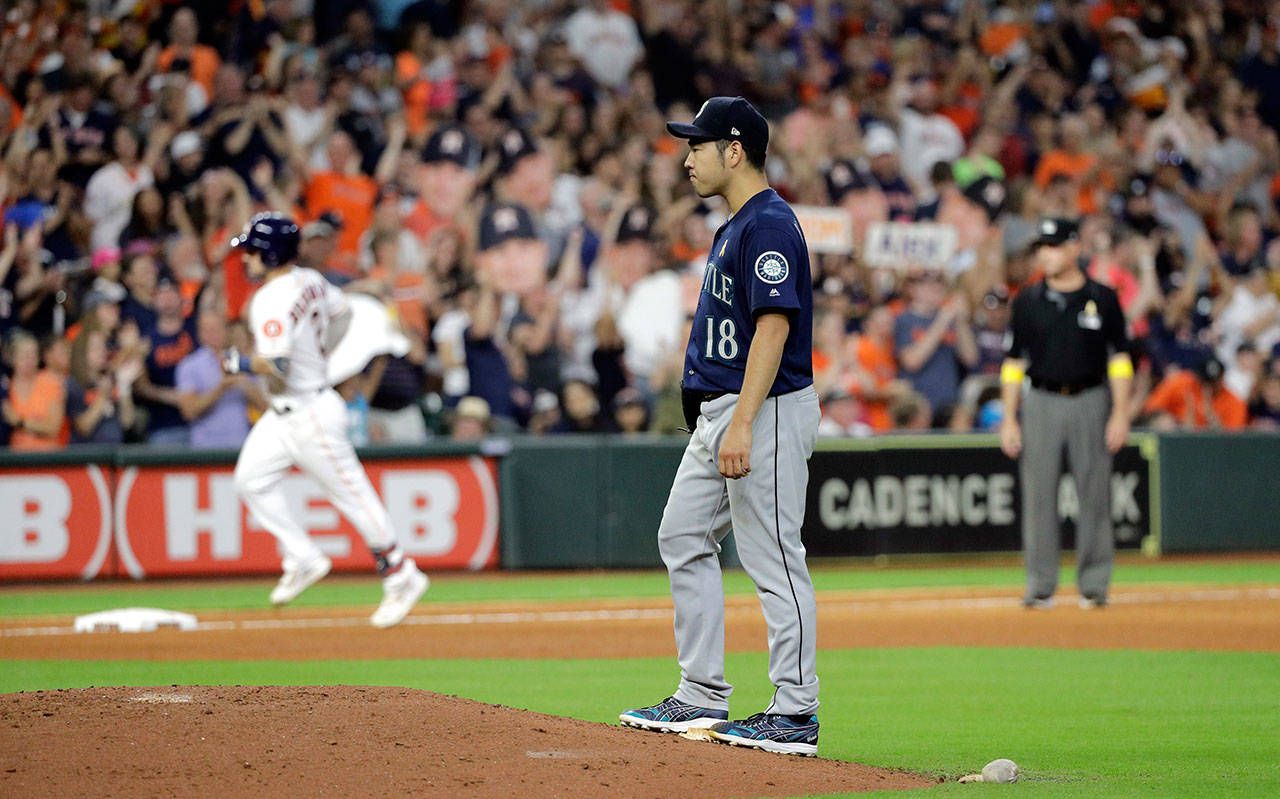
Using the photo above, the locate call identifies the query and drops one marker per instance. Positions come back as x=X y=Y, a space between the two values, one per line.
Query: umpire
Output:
x=1069 y=340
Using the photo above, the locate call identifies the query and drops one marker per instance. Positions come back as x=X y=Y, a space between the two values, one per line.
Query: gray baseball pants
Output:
x=1052 y=424
x=765 y=510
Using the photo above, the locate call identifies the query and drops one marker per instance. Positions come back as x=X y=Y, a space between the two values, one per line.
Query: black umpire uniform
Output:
x=1069 y=342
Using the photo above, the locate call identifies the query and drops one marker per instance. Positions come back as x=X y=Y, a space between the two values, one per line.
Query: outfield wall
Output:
x=596 y=501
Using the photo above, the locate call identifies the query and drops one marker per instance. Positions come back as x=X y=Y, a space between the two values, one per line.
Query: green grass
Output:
x=1095 y=724
x=999 y=572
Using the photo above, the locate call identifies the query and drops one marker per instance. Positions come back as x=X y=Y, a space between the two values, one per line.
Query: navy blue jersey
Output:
x=759 y=263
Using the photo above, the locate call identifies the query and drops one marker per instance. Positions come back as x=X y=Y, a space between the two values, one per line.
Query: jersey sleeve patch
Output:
x=772 y=267
x=272 y=328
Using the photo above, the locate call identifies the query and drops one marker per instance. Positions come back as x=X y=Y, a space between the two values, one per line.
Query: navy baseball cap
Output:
x=988 y=194
x=514 y=145
x=637 y=225
x=455 y=144
x=1055 y=231
x=731 y=118
x=501 y=223
x=842 y=178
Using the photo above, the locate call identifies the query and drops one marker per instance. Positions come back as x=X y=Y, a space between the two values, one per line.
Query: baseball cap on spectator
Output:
x=988 y=194
x=514 y=145
x=504 y=222
x=628 y=396
x=327 y=224
x=185 y=143
x=544 y=401
x=1054 y=231
x=472 y=407
x=96 y=297
x=842 y=178
x=731 y=118
x=637 y=225
x=53 y=73
x=1210 y=370
x=1123 y=26
x=879 y=140
x=141 y=247
x=103 y=256
x=454 y=144
x=836 y=395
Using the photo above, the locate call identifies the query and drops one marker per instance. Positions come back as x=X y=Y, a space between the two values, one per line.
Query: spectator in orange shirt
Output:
x=413 y=81
x=1072 y=160
x=1196 y=400
x=349 y=193
x=35 y=407
x=447 y=180
x=203 y=59
x=873 y=352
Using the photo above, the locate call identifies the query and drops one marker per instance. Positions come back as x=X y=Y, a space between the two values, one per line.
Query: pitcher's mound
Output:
x=343 y=741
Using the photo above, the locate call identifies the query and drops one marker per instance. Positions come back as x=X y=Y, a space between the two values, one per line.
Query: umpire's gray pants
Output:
x=1052 y=424
x=765 y=510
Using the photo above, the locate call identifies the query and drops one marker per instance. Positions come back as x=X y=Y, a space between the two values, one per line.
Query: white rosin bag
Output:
x=372 y=332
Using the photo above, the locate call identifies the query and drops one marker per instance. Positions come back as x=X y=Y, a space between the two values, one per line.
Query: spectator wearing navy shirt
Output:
x=934 y=342
x=171 y=340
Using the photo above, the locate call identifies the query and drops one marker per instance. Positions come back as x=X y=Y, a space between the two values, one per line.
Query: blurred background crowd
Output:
x=498 y=173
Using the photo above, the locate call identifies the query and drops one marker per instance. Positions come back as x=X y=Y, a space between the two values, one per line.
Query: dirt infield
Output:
x=1150 y=617
x=370 y=742
x=341 y=741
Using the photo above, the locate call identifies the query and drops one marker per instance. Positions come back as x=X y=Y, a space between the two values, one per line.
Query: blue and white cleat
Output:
x=672 y=715
x=772 y=732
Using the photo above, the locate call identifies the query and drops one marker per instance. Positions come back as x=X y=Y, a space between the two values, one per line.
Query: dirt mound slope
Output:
x=344 y=741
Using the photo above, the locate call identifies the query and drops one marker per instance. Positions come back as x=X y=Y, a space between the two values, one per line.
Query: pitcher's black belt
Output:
x=1065 y=389
x=691 y=400
x=693 y=395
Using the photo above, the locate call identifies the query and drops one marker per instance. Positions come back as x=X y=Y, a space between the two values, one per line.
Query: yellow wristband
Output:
x=1011 y=373
x=1120 y=367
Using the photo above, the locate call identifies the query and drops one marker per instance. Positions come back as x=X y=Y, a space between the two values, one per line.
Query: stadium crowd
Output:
x=499 y=174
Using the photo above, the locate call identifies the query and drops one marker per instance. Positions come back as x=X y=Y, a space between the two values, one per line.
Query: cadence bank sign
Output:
x=139 y=521
x=945 y=500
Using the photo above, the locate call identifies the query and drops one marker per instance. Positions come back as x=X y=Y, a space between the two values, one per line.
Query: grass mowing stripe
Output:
x=28 y=600
x=1095 y=724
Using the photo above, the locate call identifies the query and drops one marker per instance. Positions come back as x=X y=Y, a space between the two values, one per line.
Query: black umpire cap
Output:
x=731 y=118
x=1054 y=231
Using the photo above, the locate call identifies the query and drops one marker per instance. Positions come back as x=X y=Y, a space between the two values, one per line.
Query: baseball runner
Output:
x=753 y=413
x=297 y=317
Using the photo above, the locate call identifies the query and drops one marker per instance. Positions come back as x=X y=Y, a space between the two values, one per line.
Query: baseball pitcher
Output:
x=753 y=413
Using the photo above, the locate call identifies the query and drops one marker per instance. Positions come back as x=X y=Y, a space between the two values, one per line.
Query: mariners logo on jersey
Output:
x=759 y=264
x=771 y=267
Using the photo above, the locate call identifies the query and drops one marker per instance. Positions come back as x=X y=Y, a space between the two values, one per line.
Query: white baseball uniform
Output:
x=306 y=425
